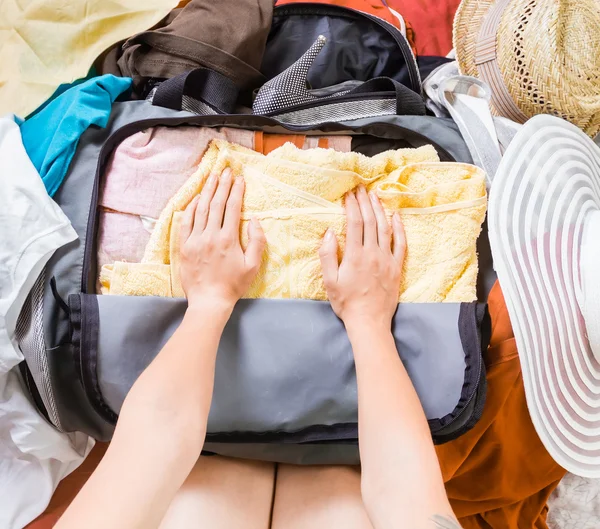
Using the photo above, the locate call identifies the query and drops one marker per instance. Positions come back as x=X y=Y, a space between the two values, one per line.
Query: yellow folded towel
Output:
x=297 y=194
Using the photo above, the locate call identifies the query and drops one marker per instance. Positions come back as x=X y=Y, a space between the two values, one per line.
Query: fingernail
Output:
x=211 y=179
x=362 y=189
x=226 y=173
x=396 y=217
x=329 y=234
x=374 y=196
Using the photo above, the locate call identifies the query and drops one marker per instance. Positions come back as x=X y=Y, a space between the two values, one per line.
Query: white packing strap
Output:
x=467 y=101
x=400 y=18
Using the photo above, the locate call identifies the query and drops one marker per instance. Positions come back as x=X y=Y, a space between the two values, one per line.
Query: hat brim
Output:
x=465 y=32
x=546 y=188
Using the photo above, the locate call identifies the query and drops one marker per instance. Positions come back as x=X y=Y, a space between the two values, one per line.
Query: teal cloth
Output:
x=51 y=136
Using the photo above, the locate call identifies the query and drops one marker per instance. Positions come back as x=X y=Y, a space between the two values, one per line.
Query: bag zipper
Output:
x=248 y=121
x=395 y=33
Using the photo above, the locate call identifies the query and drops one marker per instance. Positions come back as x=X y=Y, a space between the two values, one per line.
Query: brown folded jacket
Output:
x=228 y=36
x=498 y=475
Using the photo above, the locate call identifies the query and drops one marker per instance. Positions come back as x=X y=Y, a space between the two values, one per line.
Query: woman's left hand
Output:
x=215 y=271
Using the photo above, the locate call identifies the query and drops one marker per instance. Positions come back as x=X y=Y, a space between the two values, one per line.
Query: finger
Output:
x=384 y=233
x=233 y=210
x=219 y=201
x=328 y=253
x=399 y=238
x=187 y=222
x=203 y=205
x=256 y=245
x=368 y=216
x=354 y=224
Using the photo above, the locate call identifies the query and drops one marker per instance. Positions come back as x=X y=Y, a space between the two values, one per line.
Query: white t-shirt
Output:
x=34 y=456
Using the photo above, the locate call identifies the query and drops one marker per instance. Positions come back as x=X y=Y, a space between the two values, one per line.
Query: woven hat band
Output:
x=487 y=63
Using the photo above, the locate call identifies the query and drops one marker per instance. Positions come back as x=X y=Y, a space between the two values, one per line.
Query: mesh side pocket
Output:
x=30 y=337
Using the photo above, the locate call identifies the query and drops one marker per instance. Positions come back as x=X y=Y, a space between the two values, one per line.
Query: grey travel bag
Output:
x=281 y=393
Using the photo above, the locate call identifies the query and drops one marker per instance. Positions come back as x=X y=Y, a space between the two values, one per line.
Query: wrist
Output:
x=358 y=328
x=217 y=310
x=367 y=325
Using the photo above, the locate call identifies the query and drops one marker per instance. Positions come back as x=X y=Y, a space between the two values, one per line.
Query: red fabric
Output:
x=431 y=21
x=428 y=22
x=373 y=7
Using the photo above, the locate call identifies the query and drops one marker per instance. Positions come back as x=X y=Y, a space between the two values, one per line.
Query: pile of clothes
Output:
x=542 y=175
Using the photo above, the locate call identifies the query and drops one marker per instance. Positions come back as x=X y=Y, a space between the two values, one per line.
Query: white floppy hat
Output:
x=544 y=229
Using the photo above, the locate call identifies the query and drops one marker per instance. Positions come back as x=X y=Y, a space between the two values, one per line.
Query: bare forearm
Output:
x=162 y=424
x=174 y=393
x=160 y=431
x=401 y=474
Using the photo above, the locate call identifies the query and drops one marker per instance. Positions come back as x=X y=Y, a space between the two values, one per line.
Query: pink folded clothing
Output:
x=148 y=168
x=144 y=171
x=122 y=237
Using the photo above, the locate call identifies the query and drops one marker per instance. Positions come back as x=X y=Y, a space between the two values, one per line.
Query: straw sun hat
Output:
x=538 y=56
x=544 y=229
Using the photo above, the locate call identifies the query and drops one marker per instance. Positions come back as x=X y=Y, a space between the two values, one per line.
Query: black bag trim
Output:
x=75 y=324
x=474 y=330
x=85 y=321
x=315 y=434
x=33 y=389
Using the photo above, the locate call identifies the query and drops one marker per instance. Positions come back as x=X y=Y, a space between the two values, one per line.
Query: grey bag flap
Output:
x=283 y=366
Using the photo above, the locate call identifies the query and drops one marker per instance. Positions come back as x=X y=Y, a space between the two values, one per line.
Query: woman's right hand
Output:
x=364 y=288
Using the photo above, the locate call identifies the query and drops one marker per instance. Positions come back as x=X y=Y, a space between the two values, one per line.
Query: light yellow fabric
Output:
x=44 y=43
x=297 y=194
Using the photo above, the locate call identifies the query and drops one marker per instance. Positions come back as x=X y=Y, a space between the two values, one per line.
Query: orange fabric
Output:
x=499 y=475
x=265 y=143
x=371 y=7
x=432 y=23
x=258 y=141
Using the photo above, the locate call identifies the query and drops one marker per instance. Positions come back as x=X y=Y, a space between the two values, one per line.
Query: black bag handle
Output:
x=408 y=102
x=205 y=85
